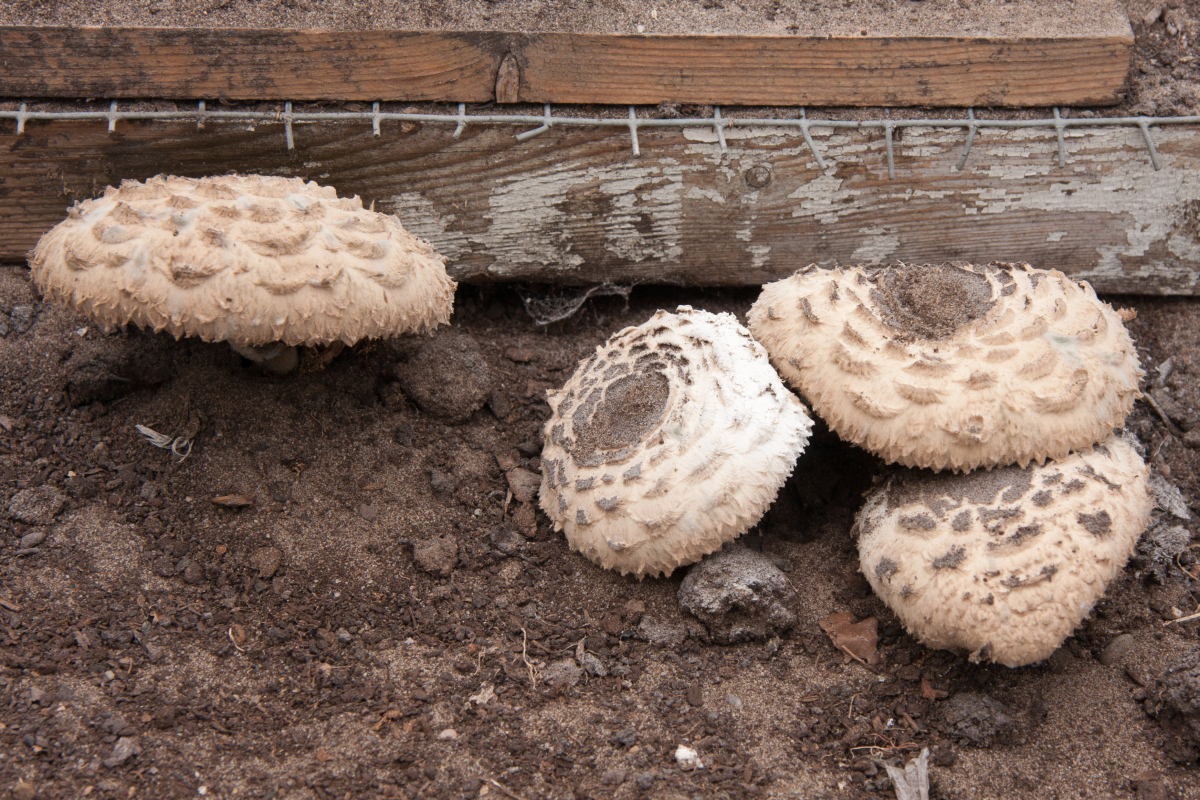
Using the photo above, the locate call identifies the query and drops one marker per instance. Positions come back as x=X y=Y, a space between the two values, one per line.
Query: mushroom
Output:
x=1004 y=563
x=672 y=439
x=264 y=263
x=952 y=365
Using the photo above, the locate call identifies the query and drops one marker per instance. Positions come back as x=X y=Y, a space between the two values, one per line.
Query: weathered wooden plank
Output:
x=574 y=206
x=248 y=64
x=863 y=71
x=465 y=66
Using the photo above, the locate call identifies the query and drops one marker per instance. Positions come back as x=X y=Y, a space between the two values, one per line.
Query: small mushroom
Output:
x=264 y=263
x=952 y=366
x=671 y=440
x=1004 y=563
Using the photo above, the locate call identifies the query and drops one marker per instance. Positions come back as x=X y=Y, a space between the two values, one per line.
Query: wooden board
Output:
x=466 y=66
x=573 y=206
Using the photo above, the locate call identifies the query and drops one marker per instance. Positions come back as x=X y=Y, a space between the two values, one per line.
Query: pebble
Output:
x=38 y=506
x=448 y=735
x=22 y=318
x=524 y=484
x=1115 y=652
x=344 y=636
x=437 y=555
x=739 y=594
x=564 y=672
x=33 y=539
x=687 y=758
x=125 y=747
x=613 y=777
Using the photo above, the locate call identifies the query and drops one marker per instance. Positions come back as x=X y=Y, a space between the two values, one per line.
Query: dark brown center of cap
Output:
x=931 y=301
x=621 y=414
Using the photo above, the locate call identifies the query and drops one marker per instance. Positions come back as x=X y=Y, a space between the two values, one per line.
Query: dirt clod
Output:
x=978 y=719
x=37 y=506
x=266 y=561
x=445 y=374
x=739 y=594
x=437 y=555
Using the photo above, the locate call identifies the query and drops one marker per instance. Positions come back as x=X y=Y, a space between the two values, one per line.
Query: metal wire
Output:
x=633 y=123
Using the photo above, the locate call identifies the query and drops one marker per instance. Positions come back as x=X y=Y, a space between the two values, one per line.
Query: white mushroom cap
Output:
x=952 y=366
x=1004 y=563
x=243 y=258
x=671 y=440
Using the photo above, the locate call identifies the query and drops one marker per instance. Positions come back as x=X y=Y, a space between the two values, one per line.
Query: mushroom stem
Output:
x=276 y=357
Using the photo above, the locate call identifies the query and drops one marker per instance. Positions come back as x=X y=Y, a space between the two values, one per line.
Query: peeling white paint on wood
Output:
x=1108 y=216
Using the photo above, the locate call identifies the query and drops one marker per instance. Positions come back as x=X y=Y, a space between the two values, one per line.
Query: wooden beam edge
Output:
x=466 y=66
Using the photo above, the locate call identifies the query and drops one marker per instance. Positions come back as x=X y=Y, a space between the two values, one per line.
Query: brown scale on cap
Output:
x=952 y=366
x=1004 y=563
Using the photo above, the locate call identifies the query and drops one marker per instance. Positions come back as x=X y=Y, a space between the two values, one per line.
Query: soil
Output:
x=341 y=593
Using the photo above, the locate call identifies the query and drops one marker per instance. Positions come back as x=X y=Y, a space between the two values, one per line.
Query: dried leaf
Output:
x=234 y=500
x=856 y=639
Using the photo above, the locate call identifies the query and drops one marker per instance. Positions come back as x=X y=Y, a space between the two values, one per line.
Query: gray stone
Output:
x=739 y=594
x=33 y=539
x=37 y=506
x=125 y=747
x=1115 y=652
x=591 y=664
x=22 y=318
x=437 y=555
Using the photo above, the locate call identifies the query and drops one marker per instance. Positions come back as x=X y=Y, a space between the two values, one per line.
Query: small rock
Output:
x=125 y=747
x=1152 y=16
x=500 y=404
x=739 y=594
x=525 y=518
x=344 y=636
x=529 y=449
x=368 y=512
x=506 y=541
x=154 y=652
x=24 y=791
x=448 y=735
x=1114 y=652
x=38 y=506
x=437 y=555
x=22 y=318
x=446 y=374
x=694 y=695
x=660 y=633
x=443 y=485
x=266 y=560
x=626 y=738
x=590 y=662
x=564 y=672
x=193 y=573
x=33 y=539
x=613 y=777
x=977 y=718
x=524 y=484
x=633 y=611
x=645 y=781
x=687 y=758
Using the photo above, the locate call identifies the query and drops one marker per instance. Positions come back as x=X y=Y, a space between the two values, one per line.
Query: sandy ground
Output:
x=379 y=589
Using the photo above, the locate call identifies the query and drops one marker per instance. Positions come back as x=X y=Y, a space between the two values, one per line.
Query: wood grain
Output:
x=574 y=207
x=465 y=66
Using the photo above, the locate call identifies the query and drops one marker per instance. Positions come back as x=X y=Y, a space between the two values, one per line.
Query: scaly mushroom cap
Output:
x=952 y=366
x=671 y=440
x=243 y=258
x=1004 y=563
